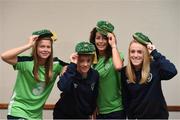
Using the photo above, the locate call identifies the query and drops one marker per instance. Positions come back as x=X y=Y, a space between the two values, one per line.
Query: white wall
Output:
x=1 y=42
x=73 y=21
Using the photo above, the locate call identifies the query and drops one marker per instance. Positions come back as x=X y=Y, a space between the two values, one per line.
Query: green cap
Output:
x=85 y=48
x=43 y=33
x=104 y=27
x=141 y=38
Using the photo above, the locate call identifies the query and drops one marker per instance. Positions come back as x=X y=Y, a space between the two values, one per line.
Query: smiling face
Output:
x=84 y=63
x=101 y=42
x=44 y=49
x=136 y=54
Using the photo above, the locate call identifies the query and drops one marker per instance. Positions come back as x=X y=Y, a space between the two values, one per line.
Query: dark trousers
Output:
x=60 y=114
x=113 y=115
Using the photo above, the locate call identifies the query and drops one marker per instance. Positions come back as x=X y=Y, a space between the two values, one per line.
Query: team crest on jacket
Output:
x=128 y=81
x=75 y=85
x=149 y=78
x=92 y=86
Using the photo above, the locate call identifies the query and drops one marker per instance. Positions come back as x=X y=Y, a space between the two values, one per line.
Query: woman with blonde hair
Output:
x=141 y=80
x=36 y=75
x=130 y=69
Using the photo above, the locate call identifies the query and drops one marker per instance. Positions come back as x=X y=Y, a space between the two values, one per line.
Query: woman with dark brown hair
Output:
x=109 y=61
x=36 y=75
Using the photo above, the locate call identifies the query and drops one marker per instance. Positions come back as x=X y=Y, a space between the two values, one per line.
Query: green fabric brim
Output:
x=102 y=31
x=140 y=40
x=45 y=34
x=86 y=53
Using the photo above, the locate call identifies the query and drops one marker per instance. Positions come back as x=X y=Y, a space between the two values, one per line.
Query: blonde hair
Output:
x=48 y=64
x=130 y=72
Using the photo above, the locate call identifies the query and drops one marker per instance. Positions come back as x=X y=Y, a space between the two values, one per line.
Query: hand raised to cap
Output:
x=32 y=39
x=150 y=47
x=111 y=40
x=74 y=58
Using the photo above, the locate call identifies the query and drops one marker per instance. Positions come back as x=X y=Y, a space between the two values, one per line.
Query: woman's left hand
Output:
x=150 y=47
x=111 y=40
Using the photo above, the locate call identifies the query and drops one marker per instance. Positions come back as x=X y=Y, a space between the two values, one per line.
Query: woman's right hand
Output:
x=74 y=58
x=10 y=56
x=32 y=39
